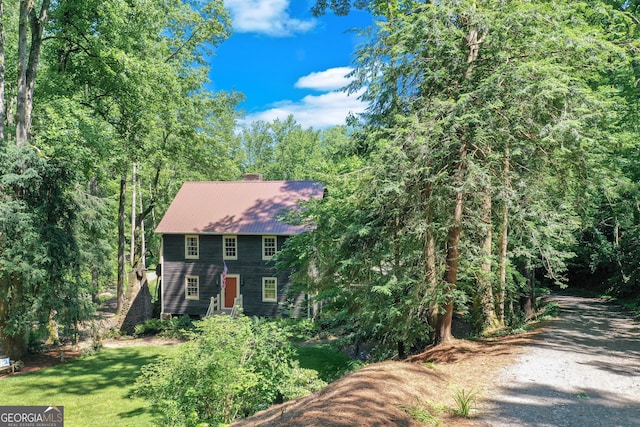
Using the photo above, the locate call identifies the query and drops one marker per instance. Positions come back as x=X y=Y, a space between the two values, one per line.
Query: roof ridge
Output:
x=252 y=181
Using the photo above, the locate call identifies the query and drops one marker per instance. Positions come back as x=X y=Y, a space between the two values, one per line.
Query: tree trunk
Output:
x=443 y=333
x=95 y=270
x=430 y=275
x=451 y=273
x=143 y=238
x=121 y=245
x=3 y=109
x=37 y=23
x=484 y=303
x=401 y=350
x=527 y=301
x=138 y=239
x=13 y=345
x=28 y=58
x=23 y=29
x=504 y=236
x=134 y=240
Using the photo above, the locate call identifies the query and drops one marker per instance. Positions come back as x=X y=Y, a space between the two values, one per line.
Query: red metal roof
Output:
x=236 y=207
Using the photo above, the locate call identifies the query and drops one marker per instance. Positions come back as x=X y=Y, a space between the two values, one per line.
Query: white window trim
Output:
x=264 y=282
x=186 y=246
x=186 y=288
x=266 y=257
x=224 y=247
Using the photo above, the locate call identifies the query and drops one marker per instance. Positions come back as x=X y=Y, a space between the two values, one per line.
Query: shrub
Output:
x=229 y=369
x=177 y=327
x=298 y=329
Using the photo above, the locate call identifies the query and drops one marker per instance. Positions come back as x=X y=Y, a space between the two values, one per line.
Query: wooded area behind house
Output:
x=499 y=153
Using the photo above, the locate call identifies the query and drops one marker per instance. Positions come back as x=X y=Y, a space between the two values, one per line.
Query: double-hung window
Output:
x=269 y=247
x=192 y=287
x=230 y=247
x=269 y=289
x=191 y=247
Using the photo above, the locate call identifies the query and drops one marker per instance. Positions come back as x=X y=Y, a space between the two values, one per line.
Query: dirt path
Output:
x=584 y=370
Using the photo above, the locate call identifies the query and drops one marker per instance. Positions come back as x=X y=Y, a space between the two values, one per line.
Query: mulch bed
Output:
x=50 y=356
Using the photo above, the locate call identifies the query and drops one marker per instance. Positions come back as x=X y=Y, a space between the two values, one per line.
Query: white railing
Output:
x=214 y=305
x=237 y=305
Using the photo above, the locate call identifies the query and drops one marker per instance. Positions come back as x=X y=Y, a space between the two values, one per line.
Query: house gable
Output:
x=251 y=224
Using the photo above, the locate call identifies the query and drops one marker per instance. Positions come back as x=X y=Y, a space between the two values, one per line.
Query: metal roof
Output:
x=236 y=207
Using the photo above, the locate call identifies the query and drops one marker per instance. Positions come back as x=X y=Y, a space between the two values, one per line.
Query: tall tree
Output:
x=116 y=75
x=282 y=150
x=453 y=86
x=141 y=65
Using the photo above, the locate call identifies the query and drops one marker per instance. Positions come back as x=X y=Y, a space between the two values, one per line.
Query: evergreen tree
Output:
x=474 y=104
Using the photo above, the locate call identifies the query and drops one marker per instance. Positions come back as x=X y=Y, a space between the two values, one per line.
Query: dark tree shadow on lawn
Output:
x=83 y=376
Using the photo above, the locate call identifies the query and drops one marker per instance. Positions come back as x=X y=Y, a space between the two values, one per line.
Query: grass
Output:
x=330 y=363
x=421 y=413
x=94 y=390
x=465 y=401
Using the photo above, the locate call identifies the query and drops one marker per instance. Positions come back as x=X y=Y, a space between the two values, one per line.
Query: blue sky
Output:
x=285 y=61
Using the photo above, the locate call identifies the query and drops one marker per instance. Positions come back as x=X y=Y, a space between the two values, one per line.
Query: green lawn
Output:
x=330 y=363
x=94 y=390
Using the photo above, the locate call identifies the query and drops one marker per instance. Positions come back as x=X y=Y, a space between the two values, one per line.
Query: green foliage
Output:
x=632 y=304
x=282 y=150
x=549 y=310
x=176 y=327
x=230 y=368
x=118 y=82
x=421 y=413
x=95 y=390
x=298 y=329
x=465 y=401
x=39 y=266
x=329 y=363
x=485 y=106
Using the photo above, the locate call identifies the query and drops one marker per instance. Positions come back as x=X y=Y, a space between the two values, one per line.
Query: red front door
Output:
x=230 y=291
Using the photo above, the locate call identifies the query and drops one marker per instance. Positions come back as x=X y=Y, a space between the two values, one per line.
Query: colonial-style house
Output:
x=218 y=241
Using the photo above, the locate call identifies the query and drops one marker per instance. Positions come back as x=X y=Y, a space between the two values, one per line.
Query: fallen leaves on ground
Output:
x=402 y=393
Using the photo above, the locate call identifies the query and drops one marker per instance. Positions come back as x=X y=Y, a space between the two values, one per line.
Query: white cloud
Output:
x=331 y=79
x=317 y=111
x=268 y=17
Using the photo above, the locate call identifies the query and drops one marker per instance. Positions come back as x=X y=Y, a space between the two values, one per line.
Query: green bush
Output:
x=177 y=327
x=299 y=329
x=230 y=368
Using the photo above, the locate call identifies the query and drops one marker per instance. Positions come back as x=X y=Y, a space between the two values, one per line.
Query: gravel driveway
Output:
x=584 y=370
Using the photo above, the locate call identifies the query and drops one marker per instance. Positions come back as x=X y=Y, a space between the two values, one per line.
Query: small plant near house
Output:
x=177 y=327
x=465 y=401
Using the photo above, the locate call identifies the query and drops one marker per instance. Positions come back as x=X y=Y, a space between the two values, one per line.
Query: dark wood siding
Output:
x=249 y=265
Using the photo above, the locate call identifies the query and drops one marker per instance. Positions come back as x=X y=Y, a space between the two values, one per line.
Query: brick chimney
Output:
x=253 y=177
